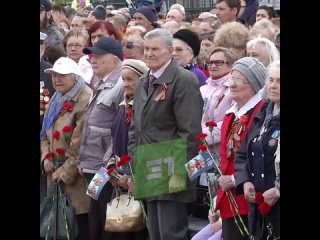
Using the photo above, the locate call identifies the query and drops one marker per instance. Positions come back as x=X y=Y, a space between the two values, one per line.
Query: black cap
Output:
x=190 y=38
x=45 y=5
x=105 y=45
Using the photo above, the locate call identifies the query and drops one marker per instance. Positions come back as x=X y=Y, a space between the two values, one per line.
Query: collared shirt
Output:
x=159 y=72
x=245 y=108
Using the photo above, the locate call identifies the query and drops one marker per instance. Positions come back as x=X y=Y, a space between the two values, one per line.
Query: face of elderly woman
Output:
x=218 y=65
x=62 y=83
x=258 y=51
x=132 y=50
x=273 y=85
x=240 y=89
x=182 y=52
x=130 y=81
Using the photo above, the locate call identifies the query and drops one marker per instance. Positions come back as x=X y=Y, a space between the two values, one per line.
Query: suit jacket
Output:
x=75 y=186
x=177 y=116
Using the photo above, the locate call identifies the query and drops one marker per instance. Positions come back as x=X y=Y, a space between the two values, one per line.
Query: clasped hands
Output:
x=271 y=196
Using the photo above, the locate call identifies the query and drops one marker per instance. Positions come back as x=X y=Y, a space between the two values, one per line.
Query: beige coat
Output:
x=75 y=185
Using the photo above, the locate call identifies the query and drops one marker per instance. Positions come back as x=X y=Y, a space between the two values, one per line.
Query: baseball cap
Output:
x=105 y=45
x=65 y=65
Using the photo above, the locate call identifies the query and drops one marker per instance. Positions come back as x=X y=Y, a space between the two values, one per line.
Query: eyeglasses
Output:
x=237 y=81
x=218 y=63
x=76 y=46
x=243 y=6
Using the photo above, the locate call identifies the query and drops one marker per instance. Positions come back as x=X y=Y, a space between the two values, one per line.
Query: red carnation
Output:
x=67 y=129
x=259 y=198
x=244 y=119
x=49 y=155
x=211 y=124
x=202 y=147
x=110 y=171
x=264 y=208
x=56 y=135
x=60 y=151
x=201 y=136
x=124 y=160
x=67 y=106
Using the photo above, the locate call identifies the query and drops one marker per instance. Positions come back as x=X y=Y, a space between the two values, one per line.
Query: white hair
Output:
x=161 y=33
x=270 y=50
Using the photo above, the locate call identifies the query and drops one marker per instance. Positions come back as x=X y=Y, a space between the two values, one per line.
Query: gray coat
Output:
x=96 y=133
x=178 y=116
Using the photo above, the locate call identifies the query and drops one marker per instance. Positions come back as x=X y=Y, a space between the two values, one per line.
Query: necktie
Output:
x=151 y=80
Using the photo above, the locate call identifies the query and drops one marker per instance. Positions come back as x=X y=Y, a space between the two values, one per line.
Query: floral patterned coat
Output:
x=74 y=183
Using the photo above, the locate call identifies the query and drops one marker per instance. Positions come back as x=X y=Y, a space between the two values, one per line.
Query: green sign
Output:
x=159 y=168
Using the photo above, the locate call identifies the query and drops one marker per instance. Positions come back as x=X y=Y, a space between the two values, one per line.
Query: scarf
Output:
x=56 y=103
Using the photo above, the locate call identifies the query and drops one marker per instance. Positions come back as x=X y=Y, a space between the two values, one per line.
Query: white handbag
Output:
x=124 y=214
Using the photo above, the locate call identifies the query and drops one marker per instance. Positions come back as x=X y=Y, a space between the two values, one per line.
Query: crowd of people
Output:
x=117 y=79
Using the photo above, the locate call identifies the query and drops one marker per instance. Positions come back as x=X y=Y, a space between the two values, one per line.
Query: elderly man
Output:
x=146 y=17
x=174 y=14
x=157 y=120
x=102 y=110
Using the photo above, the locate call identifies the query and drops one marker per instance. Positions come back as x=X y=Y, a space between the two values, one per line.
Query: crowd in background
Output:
x=100 y=66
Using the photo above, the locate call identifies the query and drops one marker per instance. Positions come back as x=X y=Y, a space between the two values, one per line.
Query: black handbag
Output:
x=57 y=216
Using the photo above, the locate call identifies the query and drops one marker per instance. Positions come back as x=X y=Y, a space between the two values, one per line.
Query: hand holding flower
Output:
x=48 y=167
x=213 y=217
x=56 y=176
x=123 y=181
x=271 y=196
x=248 y=190
x=225 y=182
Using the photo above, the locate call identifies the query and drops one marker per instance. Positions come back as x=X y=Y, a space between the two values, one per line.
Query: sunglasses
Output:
x=128 y=45
x=218 y=63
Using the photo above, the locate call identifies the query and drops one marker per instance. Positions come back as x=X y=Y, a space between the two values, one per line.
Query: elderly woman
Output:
x=132 y=70
x=257 y=163
x=247 y=78
x=263 y=49
x=133 y=47
x=186 y=45
x=74 y=42
x=67 y=107
x=216 y=93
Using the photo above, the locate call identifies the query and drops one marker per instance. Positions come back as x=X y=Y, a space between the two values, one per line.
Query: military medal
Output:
x=46 y=99
x=236 y=137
